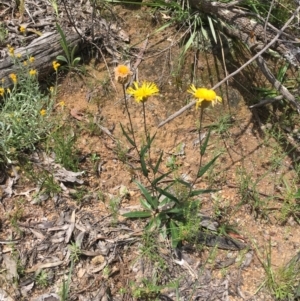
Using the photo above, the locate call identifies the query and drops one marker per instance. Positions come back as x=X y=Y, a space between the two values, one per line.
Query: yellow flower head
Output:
x=19 y=55
x=11 y=50
x=55 y=65
x=43 y=112
x=122 y=74
x=2 y=91
x=8 y=90
x=51 y=89
x=13 y=77
x=25 y=63
x=22 y=29
x=203 y=94
x=31 y=59
x=32 y=72
x=62 y=103
x=142 y=93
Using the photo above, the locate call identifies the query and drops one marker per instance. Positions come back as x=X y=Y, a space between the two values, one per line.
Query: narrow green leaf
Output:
x=282 y=71
x=204 y=32
x=151 y=139
x=163 y=27
x=151 y=200
x=165 y=201
x=212 y=29
x=145 y=204
x=155 y=181
x=155 y=169
x=143 y=162
x=187 y=184
x=73 y=52
x=138 y=214
x=63 y=42
x=126 y=135
x=175 y=210
x=167 y=194
x=204 y=145
x=154 y=223
x=174 y=234
x=144 y=167
x=62 y=58
x=76 y=61
x=202 y=170
x=188 y=43
x=202 y=191
x=297 y=194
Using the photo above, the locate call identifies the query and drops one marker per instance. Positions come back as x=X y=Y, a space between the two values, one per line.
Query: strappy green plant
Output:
x=69 y=57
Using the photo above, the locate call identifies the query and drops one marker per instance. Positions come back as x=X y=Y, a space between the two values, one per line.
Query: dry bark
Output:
x=44 y=49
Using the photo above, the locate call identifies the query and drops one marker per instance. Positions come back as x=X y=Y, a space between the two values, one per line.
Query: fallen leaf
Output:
x=76 y=114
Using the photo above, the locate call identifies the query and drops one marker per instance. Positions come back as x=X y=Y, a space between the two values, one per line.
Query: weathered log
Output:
x=250 y=29
x=44 y=49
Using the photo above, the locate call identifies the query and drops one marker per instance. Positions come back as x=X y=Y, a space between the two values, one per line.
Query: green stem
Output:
x=145 y=126
x=200 y=146
x=129 y=117
x=199 y=135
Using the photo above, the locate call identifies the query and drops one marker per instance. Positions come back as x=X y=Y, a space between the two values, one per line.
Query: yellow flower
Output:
x=62 y=103
x=8 y=90
x=51 y=89
x=43 y=112
x=203 y=94
x=13 y=77
x=31 y=59
x=19 y=55
x=122 y=74
x=25 y=63
x=142 y=93
x=55 y=65
x=11 y=50
x=2 y=91
x=32 y=72
x=22 y=29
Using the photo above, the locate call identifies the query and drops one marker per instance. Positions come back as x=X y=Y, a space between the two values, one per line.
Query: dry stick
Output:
x=179 y=112
x=109 y=74
x=277 y=84
x=267 y=20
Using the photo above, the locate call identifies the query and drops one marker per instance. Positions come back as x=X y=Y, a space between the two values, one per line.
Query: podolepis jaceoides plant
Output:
x=69 y=57
x=23 y=108
x=165 y=210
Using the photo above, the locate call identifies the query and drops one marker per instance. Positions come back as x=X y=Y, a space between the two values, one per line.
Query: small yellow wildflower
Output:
x=13 y=77
x=11 y=50
x=19 y=55
x=22 y=29
x=51 y=89
x=31 y=59
x=2 y=91
x=122 y=74
x=203 y=94
x=8 y=90
x=142 y=93
x=43 y=112
x=55 y=65
x=25 y=63
x=32 y=72
x=62 y=103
